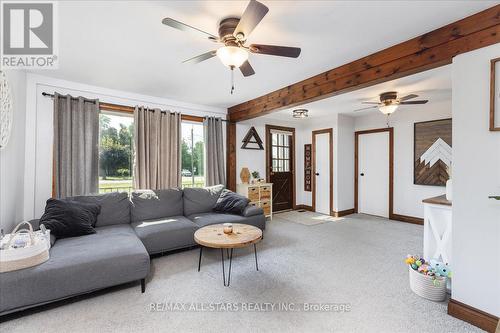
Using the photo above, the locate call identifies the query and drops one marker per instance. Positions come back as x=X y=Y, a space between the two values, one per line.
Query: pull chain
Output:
x=232 y=79
x=388 y=115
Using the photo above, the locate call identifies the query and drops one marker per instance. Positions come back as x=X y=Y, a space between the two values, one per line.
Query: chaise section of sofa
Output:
x=77 y=265
x=113 y=255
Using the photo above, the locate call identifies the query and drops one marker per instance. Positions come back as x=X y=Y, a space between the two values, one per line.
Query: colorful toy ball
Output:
x=410 y=260
x=414 y=266
x=418 y=263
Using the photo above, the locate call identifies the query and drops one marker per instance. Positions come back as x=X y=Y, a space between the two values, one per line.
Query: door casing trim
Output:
x=328 y=131
x=292 y=152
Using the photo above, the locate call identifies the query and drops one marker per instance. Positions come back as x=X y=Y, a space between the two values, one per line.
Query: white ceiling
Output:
x=124 y=46
x=433 y=85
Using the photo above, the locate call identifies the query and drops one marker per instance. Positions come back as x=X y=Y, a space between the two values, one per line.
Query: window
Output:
x=193 y=150
x=280 y=152
x=116 y=144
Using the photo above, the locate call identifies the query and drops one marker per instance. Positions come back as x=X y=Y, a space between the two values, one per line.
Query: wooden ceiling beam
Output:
x=431 y=50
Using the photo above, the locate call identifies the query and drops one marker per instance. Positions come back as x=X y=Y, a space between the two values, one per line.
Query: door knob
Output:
x=362 y=174
x=317 y=173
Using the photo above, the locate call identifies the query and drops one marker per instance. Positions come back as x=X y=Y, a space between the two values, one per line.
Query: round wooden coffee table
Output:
x=213 y=236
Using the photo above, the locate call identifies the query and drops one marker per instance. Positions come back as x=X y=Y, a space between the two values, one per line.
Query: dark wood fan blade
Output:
x=407 y=97
x=253 y=14
x=187 y=28
x=368 y=108
x=201 y=57
x=282 y=51
x=414 y=102
x=247 y=69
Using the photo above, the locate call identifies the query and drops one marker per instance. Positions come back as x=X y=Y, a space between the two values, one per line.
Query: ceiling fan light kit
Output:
x=232 y=56
x=300 y=113
x=388 y=109
x=233 y=33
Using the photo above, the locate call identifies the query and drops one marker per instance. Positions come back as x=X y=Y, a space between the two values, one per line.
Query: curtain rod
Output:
x=130 y=109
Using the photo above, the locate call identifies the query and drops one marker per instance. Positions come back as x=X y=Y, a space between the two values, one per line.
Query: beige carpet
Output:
x=357 y=262
x=307 y=218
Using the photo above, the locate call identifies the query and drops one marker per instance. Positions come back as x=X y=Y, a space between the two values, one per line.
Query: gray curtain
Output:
x=76 y=146
x=157 y=149
x=215 y=171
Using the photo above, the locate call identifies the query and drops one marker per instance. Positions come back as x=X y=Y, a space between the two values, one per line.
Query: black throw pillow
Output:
x=230 y=202
x=67 y=218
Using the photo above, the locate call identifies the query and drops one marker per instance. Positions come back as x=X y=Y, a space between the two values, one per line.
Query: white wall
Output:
x=39 y=128
x=12 y=157
x=344 y=164
x=407 y=196
x=476 y=175
x=254 y=160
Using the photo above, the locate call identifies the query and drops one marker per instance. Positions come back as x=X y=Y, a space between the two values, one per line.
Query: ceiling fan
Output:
x=389 y=102
x=233 y=33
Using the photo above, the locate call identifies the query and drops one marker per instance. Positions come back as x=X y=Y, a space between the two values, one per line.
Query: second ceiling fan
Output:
x=389 y=102
x=233 y=33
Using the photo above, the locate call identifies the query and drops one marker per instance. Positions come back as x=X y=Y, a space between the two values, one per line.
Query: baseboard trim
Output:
x=472 y=315
x=407 y=219
x=305 y=207
x=341 y=213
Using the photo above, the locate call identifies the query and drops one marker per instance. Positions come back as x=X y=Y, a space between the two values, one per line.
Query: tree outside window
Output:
x=116 y=153
x=192 y=155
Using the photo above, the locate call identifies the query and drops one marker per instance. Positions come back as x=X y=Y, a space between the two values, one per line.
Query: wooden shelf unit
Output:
x=260 y=195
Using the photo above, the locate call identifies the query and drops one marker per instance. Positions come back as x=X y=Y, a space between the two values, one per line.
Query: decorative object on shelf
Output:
x=496 y=197
x=6 y=112
x=308 y=167
x=432 y=152
x=495 y=95
x=252 y=133
x=228 y=228
x=256 y=178
x=428 y=278
x=245 y=175
x=300 y=113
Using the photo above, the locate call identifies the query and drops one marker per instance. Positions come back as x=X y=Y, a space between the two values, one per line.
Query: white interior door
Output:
x=322 y=163
x=373 y=176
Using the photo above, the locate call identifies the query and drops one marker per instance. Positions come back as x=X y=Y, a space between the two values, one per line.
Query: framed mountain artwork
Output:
x=432 y=152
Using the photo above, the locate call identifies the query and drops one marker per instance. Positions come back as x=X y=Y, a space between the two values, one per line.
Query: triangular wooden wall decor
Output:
x=252 y=133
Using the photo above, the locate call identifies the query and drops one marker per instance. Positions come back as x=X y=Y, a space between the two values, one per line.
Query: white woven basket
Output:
x=35 y=253
x=424 y=286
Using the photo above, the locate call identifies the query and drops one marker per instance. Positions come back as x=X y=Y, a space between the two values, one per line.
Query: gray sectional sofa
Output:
x=128 y=230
